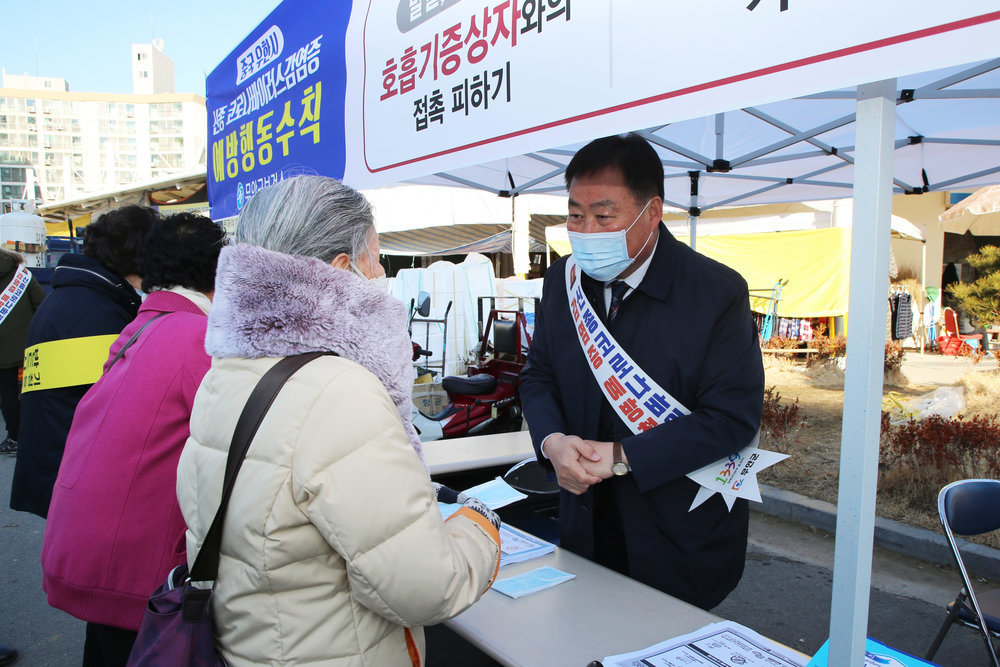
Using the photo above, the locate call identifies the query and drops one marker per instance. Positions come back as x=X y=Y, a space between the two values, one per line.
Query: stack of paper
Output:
x=722 y=643
x=517 y=546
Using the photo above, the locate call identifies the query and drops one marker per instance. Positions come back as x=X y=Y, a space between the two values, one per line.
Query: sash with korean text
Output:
x=643 y=404
x=14 y=291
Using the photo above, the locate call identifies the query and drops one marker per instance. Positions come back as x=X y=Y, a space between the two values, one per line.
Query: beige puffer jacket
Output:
x=333 y=545
x=333 y=542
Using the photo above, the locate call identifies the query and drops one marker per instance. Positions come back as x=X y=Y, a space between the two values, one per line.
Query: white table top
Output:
x=600 y=613
x=477 y=451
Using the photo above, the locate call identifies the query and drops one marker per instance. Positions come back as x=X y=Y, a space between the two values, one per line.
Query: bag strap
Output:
x=131 y=341
x=206 y=564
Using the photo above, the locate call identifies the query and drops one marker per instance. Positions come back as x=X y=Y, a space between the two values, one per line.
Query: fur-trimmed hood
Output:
x=268 y=304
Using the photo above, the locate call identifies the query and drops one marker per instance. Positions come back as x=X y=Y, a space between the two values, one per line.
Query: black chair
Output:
x=505 y=338
x=970 y=507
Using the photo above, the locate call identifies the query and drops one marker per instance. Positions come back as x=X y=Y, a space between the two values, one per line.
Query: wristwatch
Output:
x=619 y=467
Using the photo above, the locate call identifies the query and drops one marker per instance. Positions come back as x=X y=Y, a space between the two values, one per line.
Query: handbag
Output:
x=177 y=628
x=131 y=341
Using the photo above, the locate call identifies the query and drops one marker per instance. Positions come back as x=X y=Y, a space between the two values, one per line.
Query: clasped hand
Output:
x=579 y=463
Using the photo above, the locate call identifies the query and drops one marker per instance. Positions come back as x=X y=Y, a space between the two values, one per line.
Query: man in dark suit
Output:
x=685 y=322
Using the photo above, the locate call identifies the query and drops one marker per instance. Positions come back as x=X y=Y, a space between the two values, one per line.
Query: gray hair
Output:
x=311 y=216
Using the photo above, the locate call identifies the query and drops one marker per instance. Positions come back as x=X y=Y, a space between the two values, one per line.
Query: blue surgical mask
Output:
x=604 y=255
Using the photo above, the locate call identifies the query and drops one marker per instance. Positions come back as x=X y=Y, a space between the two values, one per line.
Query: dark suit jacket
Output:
x=689 y=326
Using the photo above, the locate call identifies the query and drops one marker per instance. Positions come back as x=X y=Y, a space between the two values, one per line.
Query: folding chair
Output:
x=970 y=507
x=952 y=343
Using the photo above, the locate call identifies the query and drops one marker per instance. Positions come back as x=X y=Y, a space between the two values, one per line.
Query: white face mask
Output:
x=604 y=255
x=381 y=283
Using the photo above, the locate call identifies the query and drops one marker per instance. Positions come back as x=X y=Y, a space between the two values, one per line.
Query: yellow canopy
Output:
x=62 y=228
x=815 y=262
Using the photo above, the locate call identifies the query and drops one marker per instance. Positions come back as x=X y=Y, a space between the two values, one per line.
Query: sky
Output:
x=89 y=43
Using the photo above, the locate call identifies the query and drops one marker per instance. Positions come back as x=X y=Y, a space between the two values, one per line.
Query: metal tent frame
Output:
x=796 y=150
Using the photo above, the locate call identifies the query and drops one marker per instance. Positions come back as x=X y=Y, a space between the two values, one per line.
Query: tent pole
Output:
x=923 y=291
x=519 y=245
x=876 y=119
x=693 y=210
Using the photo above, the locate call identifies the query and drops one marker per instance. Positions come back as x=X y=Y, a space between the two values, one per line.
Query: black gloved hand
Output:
x=448 y=495
x=479 y=506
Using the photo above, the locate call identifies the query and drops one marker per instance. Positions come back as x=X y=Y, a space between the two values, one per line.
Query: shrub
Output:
x=782 y=343
x=918 y=458
x=777 y=421
x=976 y=354
x=894 y=354
x=826 y=347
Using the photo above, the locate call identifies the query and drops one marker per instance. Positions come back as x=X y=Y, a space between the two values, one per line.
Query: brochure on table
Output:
x=515 y=545
x=715 y=644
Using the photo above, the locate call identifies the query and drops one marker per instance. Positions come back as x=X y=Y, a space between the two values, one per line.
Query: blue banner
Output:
x=276 y=103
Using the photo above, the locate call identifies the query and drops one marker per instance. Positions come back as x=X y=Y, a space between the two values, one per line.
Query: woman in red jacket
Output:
x=114 y=528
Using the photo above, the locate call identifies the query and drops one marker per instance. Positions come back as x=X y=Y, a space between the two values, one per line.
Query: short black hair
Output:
x=182 y=249
x=116 y=237
x=629 y=153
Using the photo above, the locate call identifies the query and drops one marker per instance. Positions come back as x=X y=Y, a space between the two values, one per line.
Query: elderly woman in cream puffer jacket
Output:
x=333 y=551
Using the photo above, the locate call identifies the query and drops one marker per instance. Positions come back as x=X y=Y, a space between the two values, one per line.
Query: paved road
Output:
x=933 y=370
x=785 y=595
x=786 y=589
x=43 y=635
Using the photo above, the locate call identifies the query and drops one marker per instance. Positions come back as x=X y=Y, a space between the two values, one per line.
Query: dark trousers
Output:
x=609 y=534
x=609 y=531
x=107 y=646
x=10 y=401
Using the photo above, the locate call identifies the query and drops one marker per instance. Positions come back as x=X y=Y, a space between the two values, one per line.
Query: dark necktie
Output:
x=618 y=290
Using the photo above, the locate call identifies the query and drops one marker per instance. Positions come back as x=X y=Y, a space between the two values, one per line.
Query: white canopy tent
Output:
x=741 y=123
x=746 y=121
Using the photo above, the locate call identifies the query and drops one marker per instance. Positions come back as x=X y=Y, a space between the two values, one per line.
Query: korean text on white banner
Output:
x=435 y=86
x=276 y=104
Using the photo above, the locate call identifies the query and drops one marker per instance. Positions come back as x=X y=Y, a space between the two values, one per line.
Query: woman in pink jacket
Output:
x=114 y=529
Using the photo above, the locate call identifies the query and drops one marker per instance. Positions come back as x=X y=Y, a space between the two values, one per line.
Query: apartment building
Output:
x=78 y=143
